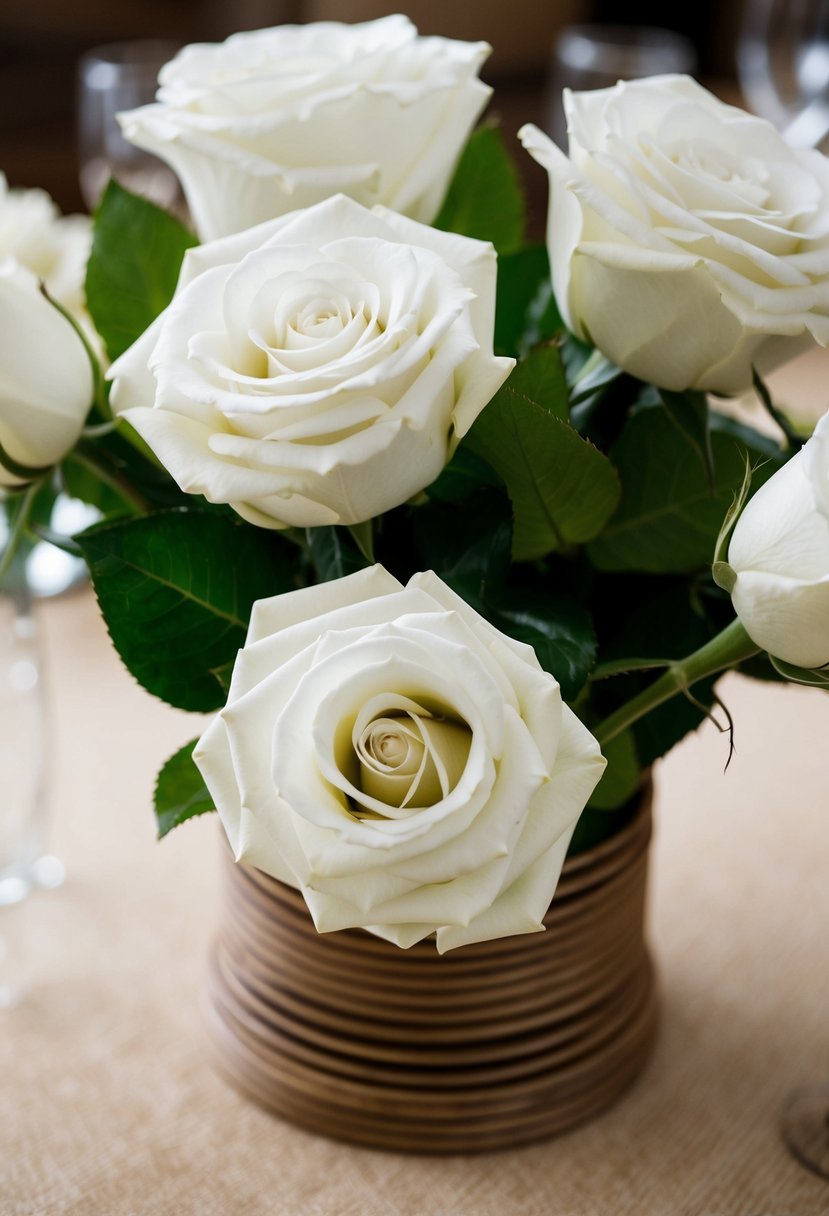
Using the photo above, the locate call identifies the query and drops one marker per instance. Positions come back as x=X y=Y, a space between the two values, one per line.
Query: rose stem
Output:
x=727 y=649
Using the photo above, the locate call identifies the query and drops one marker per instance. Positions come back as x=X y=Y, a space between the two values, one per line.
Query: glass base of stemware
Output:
x=805 y=1127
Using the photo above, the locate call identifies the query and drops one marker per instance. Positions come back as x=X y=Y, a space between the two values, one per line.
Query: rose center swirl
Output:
x=410 y=760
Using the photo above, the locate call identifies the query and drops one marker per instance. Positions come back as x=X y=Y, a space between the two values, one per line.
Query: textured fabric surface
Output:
x=110 y=1105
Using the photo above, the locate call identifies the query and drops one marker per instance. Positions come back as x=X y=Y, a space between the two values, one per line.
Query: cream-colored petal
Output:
x=785 y=616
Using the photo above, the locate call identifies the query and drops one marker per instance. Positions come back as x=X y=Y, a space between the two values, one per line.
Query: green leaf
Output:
x=334 y=552
x=224 y=675
x=464 y=474
x=484 y=199
x=557 y=627
x=621 y=778
x=757 y=446
x=539 y=379
x=525 y=308
x=467 y=544
x=176 y=590
x=180 y=792
x=120 y=462
x=690 y=415
x=543 y=320
x=133 y=268
x=670 y=515
x=81 y=482
x=563 y=490
x=65 y=543
x=656 y=619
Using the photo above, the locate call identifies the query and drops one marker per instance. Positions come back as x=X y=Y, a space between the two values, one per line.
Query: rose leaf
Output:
x=654 y=618
x=690 y=414
x=557 y=627
x=462 y=477
x=176 y=589
x=467 y=544
x=621 y=778
x=484 y=199
x=563 y=490
x=671 y=511
x=525 y=308
x=540 y=378
x=334 y=552
x=180 y=792
x=133 y=268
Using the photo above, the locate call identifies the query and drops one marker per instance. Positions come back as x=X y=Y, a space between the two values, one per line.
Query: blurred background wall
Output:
x=42 y=40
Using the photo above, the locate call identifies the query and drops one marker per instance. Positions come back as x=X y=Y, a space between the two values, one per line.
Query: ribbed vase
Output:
x=490 y=1046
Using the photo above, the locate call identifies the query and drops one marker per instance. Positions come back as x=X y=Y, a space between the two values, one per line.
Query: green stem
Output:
x=18 y=526
x=90 y=457
x=727 y=649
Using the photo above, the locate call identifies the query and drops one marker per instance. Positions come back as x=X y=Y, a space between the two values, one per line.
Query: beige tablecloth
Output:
x=110 y=1106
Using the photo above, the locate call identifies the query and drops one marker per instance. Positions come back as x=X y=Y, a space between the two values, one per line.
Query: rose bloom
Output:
x=688 y=241
x=274 y=120
x=318 y=369
x=779 y=552
x=45 y=378
x=407 y=767
x=53 y=247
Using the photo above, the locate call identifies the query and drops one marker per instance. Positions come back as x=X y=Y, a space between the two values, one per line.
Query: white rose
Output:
x=45 y=378
x=407 y=767
x=318 y=369
x=688 y=241
x=274 y=120
x=779 y=553
x=52 y=246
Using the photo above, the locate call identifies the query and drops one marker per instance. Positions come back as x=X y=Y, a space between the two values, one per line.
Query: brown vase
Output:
x=490 y=1046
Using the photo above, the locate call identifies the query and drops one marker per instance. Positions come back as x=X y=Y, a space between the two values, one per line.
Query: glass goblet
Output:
x=112 y=78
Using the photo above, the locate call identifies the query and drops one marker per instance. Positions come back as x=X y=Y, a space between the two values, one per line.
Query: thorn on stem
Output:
x=726 y=727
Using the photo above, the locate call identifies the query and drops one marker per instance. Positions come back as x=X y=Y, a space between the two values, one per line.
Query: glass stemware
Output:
x=112 y=78
x=22 y=751
x=596 y=56
x=783 y=66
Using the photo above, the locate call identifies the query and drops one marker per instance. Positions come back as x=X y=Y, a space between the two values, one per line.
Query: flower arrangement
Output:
x=438 y=522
